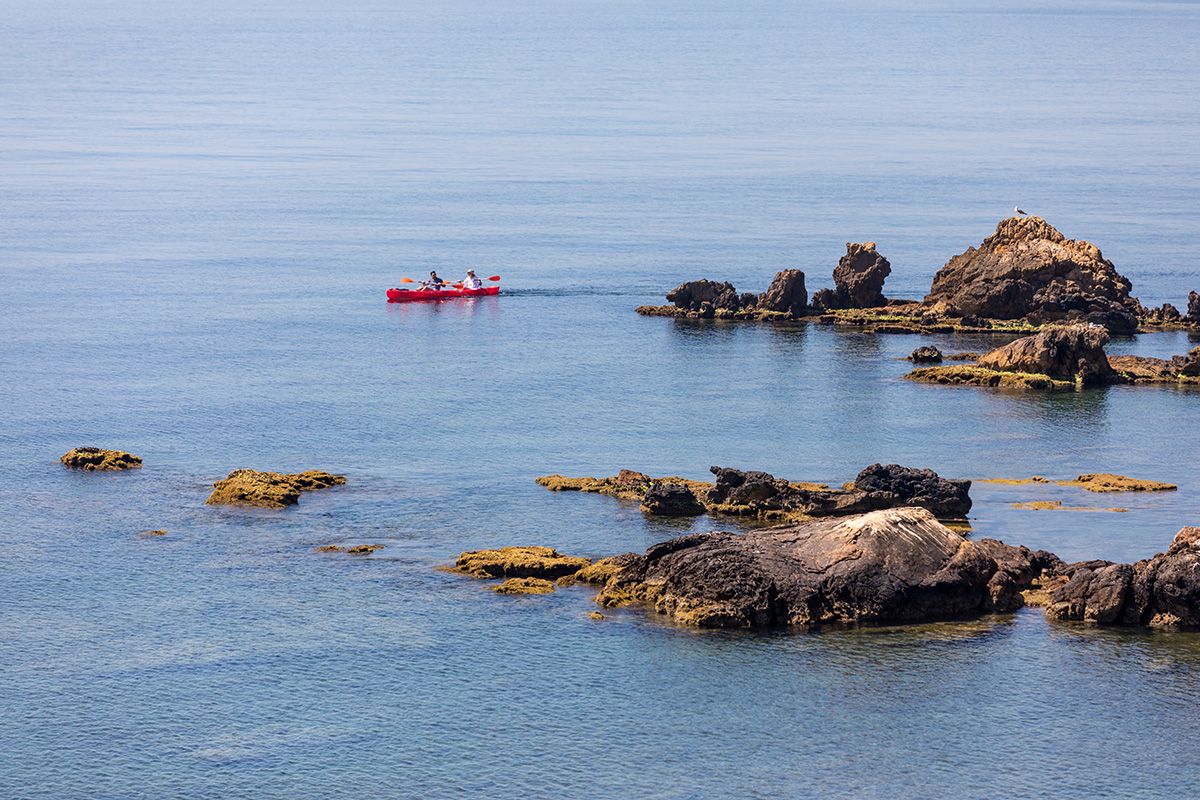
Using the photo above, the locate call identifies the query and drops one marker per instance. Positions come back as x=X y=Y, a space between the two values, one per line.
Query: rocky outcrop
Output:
x=898 y=564
x=671 y=500
x=926 y=355
x=248 y=487
x=354 y=550
x=518 y=562
x=1028 y=269
x=859 y=278
x=94 y=459
x=1140 y=369
x=1075 y=352
x=1161 y=591
x=627 y=485
x=693 y=295
x=786 y=294
x=1193 y=312
x=876 y=487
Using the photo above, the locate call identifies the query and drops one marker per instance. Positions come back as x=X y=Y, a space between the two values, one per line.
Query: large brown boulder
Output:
x=1028 y=269
x=1161 y=591
x=691 y=296
x=859 y=278
x=1072 y=352
x=898 y=564
x=248 y=487
x=95 y=459
x=786 y=293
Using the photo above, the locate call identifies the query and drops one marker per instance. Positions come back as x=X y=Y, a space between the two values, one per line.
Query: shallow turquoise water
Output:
x=202 y=208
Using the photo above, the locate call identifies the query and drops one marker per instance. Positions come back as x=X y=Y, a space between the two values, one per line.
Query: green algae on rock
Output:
x=95 y=459
x=957 y=375
x=524 y=586
x=1094 y=482
x=518 y=562
x=250 y=487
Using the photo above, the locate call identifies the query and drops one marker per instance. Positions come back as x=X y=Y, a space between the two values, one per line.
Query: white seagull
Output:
x=1018 y=210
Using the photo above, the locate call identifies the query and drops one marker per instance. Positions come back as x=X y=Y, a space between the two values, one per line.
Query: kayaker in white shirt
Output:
x=471 y=282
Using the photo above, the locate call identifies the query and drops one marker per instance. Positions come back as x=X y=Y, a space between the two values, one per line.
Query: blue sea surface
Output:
x=202 y=205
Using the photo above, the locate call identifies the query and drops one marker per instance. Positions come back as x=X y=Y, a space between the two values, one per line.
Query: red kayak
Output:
x=410 y=295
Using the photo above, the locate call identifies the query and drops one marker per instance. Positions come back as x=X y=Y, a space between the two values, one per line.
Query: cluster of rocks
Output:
x=896 y=564
x=1160 y=591
x=762 y=495
x=1025 y=275
x=95 y=459
x=1059 y=358
x=1169 y=316
x=705 y=299
x=876 y=487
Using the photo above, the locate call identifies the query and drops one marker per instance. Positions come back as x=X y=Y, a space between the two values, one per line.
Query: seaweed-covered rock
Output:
x=94 y=459
x=859 y=277
x=1071 y=352
x=786 y=293
x=1029 y=269
x=945 y=497
x=692 y=296
x=897 y=564
x=671 y=500
x=248 y=487
x=927 y=354
x=518 y=562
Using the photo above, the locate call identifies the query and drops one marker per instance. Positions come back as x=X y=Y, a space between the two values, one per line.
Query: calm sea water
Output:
x=202 y=205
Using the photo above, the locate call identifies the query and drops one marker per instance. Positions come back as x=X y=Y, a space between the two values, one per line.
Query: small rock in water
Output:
x=250 y=487
x=926 y=355
x=94 y=459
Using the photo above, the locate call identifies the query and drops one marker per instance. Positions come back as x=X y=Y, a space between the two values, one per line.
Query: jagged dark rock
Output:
x=1028 y=269
x=1071 y=352
x=896 y=564
x=786 y=293
x=917 y=487
x=671 y=500
x=877 y=487
x=1193 y=312
x=859 y=277
x=926 y=355
x=692 y=296
x=1161 y=591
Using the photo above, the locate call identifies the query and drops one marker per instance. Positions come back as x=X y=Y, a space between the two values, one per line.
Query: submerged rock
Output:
x=94 y=459
x=1073 y=352
x=786 y=294
x=897 y=564
x=1162 y=591
x=1028 y=269
x=250 y=487
x=960 y=375
x=524 y=586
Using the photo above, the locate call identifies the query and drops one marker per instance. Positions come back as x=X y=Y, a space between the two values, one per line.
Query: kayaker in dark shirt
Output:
x=434 y=283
